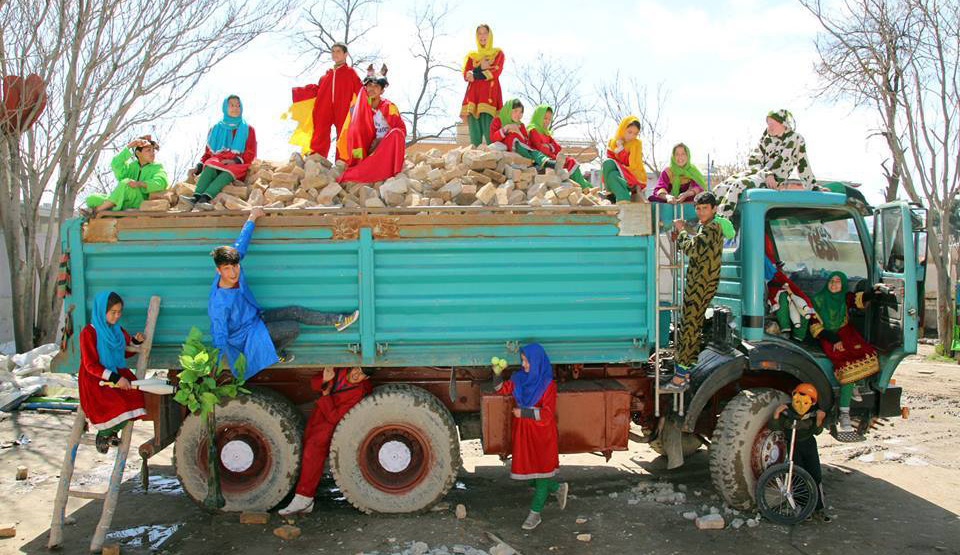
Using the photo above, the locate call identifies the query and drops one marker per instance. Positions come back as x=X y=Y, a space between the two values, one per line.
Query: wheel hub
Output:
x=768 y=448
x=236 y=456
x=395 y=458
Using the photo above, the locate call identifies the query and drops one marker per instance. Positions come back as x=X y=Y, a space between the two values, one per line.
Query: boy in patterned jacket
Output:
x=704 y=250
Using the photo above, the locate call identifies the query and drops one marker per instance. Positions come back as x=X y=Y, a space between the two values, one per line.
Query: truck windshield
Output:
x=813 y=243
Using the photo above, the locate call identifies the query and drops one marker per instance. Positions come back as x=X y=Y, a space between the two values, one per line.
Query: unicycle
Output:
x=786 y=494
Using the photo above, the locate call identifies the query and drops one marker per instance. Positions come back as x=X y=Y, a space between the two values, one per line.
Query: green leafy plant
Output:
x=202 y=382
x=201 y=387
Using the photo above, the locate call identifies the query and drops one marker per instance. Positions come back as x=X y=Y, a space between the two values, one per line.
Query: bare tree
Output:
x=328 y=22
x=862 y=58
x=111 y=68
x=905 y=56
x=548 y=80
x=429 y=105
x=620 y=98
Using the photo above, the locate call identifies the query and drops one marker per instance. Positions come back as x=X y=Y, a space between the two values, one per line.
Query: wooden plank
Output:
x=66 y=475
x=153 y=310
x=87 y=494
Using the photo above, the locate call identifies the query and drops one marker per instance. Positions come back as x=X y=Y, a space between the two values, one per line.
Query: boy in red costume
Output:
x=340 y=390
x=331 y=98
x=373 y=140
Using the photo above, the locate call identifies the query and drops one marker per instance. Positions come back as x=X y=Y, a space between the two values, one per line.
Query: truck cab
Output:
x=737 y=386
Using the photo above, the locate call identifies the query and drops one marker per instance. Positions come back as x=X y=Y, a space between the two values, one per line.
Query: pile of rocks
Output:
x=465 y=176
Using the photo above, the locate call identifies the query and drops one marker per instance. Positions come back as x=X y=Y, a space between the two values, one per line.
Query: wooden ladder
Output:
x=77 y=437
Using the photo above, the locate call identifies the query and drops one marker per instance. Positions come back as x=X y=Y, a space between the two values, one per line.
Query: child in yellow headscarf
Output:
x=483 y=99
x=623 y=169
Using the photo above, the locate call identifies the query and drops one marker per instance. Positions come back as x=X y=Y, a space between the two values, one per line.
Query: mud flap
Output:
x=673 y=441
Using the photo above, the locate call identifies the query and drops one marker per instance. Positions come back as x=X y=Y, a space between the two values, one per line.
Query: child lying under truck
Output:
x=340 y=389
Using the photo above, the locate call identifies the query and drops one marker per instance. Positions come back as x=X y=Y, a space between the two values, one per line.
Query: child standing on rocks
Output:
x=535 y=452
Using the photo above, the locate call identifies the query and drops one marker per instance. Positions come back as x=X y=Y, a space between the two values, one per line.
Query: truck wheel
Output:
x=396 y=451
x=690 y=443
x=743 y=447
x=259 y=437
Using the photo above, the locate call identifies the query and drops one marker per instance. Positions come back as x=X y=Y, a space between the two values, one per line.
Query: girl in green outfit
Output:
x=509 y=130
x=541 y=138
x=137 y=175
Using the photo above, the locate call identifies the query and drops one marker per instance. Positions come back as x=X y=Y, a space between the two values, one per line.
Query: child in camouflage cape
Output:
x=781 y=149
x=704 y=250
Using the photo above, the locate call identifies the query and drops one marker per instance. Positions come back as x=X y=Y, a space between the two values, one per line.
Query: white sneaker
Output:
x=533 y=520
x=562 y=495
x=300 y=505
x=856 y=394
x=347 y=321
x=844 y=425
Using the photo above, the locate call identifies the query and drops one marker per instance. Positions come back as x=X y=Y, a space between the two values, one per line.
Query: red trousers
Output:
x=385 y=162
x=316 y=448
x=323 y=118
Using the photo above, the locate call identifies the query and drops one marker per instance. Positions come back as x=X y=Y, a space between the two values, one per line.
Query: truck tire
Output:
x=690 y=443
x=260 y=437
x=743 y=447
x=396 y=451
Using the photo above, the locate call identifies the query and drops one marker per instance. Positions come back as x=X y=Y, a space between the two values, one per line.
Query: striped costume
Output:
x=703 y=273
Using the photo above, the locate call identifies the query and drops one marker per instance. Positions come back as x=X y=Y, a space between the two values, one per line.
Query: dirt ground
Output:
x=899 y=492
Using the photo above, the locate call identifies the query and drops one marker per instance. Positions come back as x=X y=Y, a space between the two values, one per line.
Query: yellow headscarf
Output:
x=634 y=147
x=482 y=52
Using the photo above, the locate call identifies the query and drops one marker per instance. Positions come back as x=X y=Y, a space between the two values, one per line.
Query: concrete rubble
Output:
x=463 y=176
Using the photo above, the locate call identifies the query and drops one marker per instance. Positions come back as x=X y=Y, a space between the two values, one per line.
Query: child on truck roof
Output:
x=541 y=138
x=508 y=131
x=781 y=149
x=679 y=182
x=106 y=396
x=535 y=453
x=703 y=273
x=239 y=326
x=483 y=99
x=340 y=389
x=138 y=174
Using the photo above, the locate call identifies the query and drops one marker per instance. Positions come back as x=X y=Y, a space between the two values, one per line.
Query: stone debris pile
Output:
x=464 y=176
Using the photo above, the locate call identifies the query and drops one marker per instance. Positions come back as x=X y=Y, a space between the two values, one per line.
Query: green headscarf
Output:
x=677 y=172
x=536 y=120
x=505 y=117
x=783 y=116
x=832 y=307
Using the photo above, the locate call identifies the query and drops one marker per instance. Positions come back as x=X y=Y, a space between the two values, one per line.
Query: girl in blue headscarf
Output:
x=534 y=450
x=231 y=147
x=103 y=353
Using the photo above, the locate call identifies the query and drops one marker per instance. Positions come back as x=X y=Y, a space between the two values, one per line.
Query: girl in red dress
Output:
x=534 y=430
x=483 y=99
x=102 y=359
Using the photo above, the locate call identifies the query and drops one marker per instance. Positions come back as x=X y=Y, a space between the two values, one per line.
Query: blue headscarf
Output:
x=111 y=345
x=221 y=135
x=528 y=387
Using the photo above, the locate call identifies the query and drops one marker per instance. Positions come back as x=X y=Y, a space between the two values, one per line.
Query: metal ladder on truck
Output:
x=77 y=437
x=676 y=267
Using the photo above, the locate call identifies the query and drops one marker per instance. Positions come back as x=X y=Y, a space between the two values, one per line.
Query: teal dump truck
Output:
x=442 y=290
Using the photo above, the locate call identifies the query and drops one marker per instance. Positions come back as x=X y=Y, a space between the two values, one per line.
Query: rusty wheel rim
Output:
x=769 y=448
x=245 y=457
x=395 y=458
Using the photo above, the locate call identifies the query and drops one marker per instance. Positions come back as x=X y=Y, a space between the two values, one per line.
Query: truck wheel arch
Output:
x=710 y=376
x=789 y=358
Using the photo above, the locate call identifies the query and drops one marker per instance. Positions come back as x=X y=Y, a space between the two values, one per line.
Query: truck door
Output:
x=894 y=323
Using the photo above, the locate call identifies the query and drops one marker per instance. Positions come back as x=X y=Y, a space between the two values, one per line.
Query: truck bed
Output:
x=436 y=287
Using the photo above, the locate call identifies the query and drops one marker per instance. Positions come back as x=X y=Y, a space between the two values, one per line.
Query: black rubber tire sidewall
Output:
x=807 y=511
x=732 y=443
x=276 y=418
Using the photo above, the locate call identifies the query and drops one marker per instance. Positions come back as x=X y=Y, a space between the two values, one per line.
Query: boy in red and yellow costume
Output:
x=317 y=107
x=373 y=140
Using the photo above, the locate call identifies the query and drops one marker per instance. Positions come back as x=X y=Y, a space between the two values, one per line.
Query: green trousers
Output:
x=114 y=430
x=783 y=318
x=614 y=180
x=479 y=128
x=211 y=181
x=542 y=488
x=539 y=159
x=577 y=177
x=123 y=197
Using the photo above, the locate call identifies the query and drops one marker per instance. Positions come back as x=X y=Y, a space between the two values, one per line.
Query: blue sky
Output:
x=725 y=63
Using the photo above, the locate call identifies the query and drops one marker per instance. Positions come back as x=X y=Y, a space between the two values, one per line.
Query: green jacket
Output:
x=127 y=168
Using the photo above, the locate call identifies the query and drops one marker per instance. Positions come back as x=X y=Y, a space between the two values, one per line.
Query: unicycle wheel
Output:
x=781 y=506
